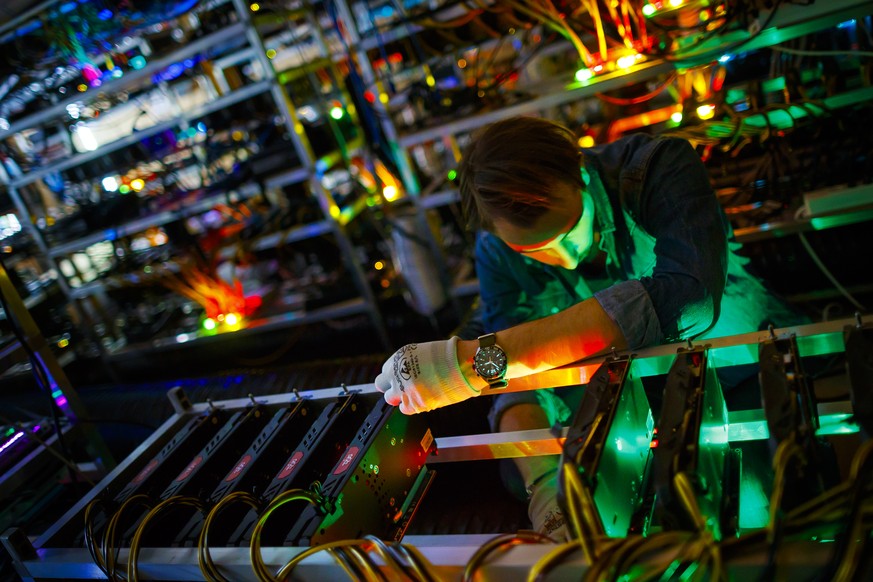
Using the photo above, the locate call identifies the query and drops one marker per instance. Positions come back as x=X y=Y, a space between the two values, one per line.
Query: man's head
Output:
x=520 y=179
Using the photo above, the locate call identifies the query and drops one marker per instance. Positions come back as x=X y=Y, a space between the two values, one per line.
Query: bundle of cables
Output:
x=844 y=512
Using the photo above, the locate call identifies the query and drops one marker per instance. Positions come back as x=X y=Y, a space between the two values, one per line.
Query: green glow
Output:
x=676 y=117
x=648 y=10
x=138 y=62
x=452 y=174
x=124 y=188
x=57 y=393
x=734 y=355
x=735 y=96
x=336 y=112
x=773 y=85
x=209 y=324
x=584 y=74
x=10 y=431
x=819 y=344
x=652 y=366
x=745 y=428
x=754 y=503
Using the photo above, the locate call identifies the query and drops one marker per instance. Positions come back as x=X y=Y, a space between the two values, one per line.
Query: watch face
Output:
x=490 y=362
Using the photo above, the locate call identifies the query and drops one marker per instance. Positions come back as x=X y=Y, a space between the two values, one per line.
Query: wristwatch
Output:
x=490 y=361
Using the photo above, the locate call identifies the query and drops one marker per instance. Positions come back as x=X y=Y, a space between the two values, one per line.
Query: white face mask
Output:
x=566 y=249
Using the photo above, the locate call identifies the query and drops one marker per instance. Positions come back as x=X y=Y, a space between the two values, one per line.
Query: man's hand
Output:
x=421 y=377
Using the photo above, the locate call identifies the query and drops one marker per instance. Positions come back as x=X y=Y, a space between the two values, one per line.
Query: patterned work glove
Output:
x=421 y=377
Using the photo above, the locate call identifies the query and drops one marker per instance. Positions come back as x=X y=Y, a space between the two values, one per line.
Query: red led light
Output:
x=654 y=444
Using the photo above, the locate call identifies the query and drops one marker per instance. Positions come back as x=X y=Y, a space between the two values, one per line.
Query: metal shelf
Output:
x=60 y=108
x=152 y=220
x=285 y=320
x=789 y=227
x=278 y=239
x=78 y=159
x=572 y=92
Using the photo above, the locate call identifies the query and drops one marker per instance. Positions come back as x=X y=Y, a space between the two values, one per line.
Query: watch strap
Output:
x=489 y=339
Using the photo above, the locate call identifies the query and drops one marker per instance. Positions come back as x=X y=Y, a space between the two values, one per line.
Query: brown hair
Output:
x=511 y=169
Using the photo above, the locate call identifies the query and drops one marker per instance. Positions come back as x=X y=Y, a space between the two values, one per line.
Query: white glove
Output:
x=421 y=377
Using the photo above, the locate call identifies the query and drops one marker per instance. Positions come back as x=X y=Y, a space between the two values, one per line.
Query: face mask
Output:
x=568 y=249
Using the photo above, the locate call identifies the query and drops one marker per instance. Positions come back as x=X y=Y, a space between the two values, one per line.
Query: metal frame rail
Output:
x=448 y=553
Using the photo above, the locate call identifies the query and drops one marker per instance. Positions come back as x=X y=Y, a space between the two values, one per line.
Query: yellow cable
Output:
x=497 y=544
x=260 y=569
x=356 y=556
x=786 y=450
x=850 y=560
x=594 y=11
x=132 y=570
x=579 y=499
x=545 y=563
x=90 y=542
x=109 y=534
x=685 y=491
x=420 y=564
x=288 y=568
x=204 y=559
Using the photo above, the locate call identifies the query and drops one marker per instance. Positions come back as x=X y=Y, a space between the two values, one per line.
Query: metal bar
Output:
x=278 y=239
x=30 y=13
x=449 y=554
x=24 y=469
x=116 y=85
x=62 y=392
x=789 y=227
x=285 y=320
x=151 y=444
x=147 y=222
x=79 y=159
x=573 y=92
x=743 y=425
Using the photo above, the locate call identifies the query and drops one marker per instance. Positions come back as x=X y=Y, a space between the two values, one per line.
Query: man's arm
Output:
x=421 y=377
x=578 y=332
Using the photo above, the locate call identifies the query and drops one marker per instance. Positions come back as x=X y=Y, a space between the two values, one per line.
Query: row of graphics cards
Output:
x=321 y=470
x=676 y=484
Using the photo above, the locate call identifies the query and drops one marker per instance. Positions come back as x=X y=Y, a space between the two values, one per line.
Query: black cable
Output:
x=732 y=47
x=41 y=375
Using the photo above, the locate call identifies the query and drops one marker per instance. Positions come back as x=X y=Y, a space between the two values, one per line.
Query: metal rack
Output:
x=449 y=553
x=788 y=22
x=254 y=47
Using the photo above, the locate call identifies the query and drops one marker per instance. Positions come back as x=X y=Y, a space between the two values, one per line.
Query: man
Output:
x=640 y=207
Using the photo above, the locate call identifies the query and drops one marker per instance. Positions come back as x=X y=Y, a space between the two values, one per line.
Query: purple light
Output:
x=35 y=428
x=8 y=443
x=61 y=401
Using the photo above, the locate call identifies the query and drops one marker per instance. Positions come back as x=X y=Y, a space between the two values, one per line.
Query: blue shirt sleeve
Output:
x=677 y=206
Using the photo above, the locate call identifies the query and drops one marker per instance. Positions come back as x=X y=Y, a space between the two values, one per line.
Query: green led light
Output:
x=9 y=432
x=584 y=74
x=735 y=96
x=124 y=188
x=452 y=174
x=336 y=112
x=648 y=10
x=209 y=324
x=773 y=85
x=138 y=62
x=676 y=117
